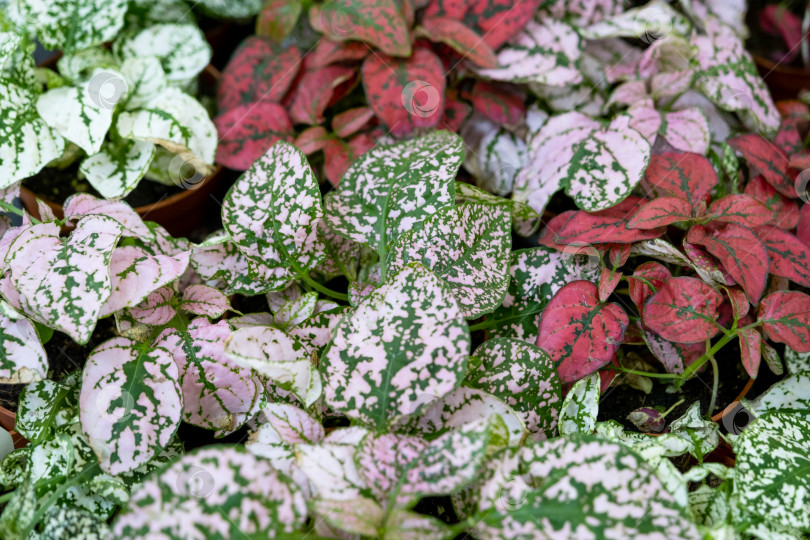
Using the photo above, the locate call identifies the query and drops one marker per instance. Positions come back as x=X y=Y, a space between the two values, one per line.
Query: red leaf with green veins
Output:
x=794 y=113
x=455 y=112
x=685 y=175
x=684 y=310
x=378 y=22
x=606 y=226
x=329 y=52
x=312 y=139
x=789 y=140
x=741 y=209
x=406 y=94
x=785 y=212
x=803 y=227
x=277 y=18
x=767 y=159
x=579 y=332
x=707 y=266
x=740 y=252
x=500 y=103
x=618 y=254
x=259 y=70
x=247 y=131
x=549 y=232
x=339 y=155
x=653 y=273
x=739 y=303
x=460 y=38
x=607 y=283
x=314 y=92
x=750 y=350
x=660 y=213
x=789 y=257
x=785 y=317
x=495 y=20
x=350 y=122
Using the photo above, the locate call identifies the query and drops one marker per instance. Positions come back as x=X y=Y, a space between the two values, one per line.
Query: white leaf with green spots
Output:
x=389 y=190
x=79 y=66
x=468 y=247
x=790 y=395
x=709 y=506
x=215 y=491
x=181 y=48
x=607 y=166
x=64 y=282
x=204 y=301
x=51 y=458
x=525 y=221
x=27 y=144
x=71 y=25
x=524 y=377
x=131 y=403
x=39 y=407
x=578 y=484
x=273 y=210
x=329 y=466
x=66 y=522
x=234 y=9
x=295 y=311
x=22 y=358
x=316 y=332
x=652 y=21
x=281 y=428
x=83 y=204
x=81 y=114
x=218 y=394
x=771 y=480
x=145 y=80
x=405 y=345
x=701 y=435
x=116 y=170
x=581 y=406
x=136 y=274
x=501 y=154
x=9 y=41
x=796 y=362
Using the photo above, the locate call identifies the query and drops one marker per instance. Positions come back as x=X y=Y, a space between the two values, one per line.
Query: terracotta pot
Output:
x=784 y=82
x=7 y=420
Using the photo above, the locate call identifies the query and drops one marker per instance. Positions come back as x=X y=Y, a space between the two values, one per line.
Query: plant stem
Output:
x=4 y=498
x=644 y=373
x=715 y=383
x=665 y=413
x=321 y=289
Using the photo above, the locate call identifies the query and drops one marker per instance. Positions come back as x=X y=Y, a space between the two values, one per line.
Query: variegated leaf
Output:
x=524 y=377
x=272 y=212
x=468 y=247
x=214 y=491
x=649 y=22
x=790 y=395
x=525 y=221
x=218 y=394
x=231 y=9
x=145 y=80
x=66 y=522
x=116 y=170
x=405 y=345
x=330 y=466
x=157 y=309
x=378 y=22
x=181 y=48
x=361 y=516
x=204 y=300
x=390 y=189
x=64 y=282
x=281 y=428
x=580 y=407
x=22 y=358
x=130 y=402
x=296 y=311
x=83 y=204
x=700 y=434
x=42 y=404
x=796 y=362
x=687 y=130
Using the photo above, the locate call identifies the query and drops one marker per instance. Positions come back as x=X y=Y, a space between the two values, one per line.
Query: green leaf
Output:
x=581 y=406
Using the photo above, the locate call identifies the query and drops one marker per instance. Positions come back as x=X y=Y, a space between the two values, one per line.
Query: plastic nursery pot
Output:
x=179 y=214
x=7 y=421
x=784 y=82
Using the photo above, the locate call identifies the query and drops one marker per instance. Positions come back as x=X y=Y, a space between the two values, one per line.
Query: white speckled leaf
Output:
x=9 y=41
x=501 y=154
x=468 y=247
x=701 y=435
x=405 y=345
x=524 y=377
x=157 y=309
x=273 y=210
x=217 y=393
x=771 y=479
x=116 y=170
x=390 y=189
x=606 y=166
x=543 y=52
x=581 y=406
x=316 y=332
x=687 y=130
x=71 y=25
x=22 y=358
x=578 y=483
x=330 y=466
x=66 y=522
x=181 y=48
x=796 y=362
x=37 y=403
x=145 y=80
x=234 y=9
x=215 y=491
x=204 y=300
x=63 y=282
x=137 y=273
x=27 y=144
x=790 y=395
x=130 y=402
x=295 y=311
x=654 y=20
x=525 y=221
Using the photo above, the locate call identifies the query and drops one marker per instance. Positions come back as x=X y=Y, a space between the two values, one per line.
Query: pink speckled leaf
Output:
x=750 y=350
x=64 y=282
x=295 y=311
x=496 y=20
x=339 y=155
x=785 y=210
x=273 y=210
x=312 y=139
x=688 y=176
x=767 y=159
x=675 y=357
x=82 y=204
x=314 y=92
x=683 y=310
x=606 y=226
x=329 y=52
x=378 y=22
x=789 y=256
x=214 y=491
x=22 y=358
x=217 y=394
x=405 y=345
x=461 y=38
x=349 y=122
x=247 y=131
x=786 y=319
x=130 y=403
x=277 y=18
x=204 y=300
x=661 y=212
x=687 y=130
x=156 y=309
x=580 y=333
x=500 y=103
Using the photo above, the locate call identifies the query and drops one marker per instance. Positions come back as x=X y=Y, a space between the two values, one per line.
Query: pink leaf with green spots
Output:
x=741 y=209
x=205 y=301
x=750 y=350
x=312 y=139
x=500 y=103
x=339 y=155
x=646 y=279
x=329 y=52
x=661 y=212
x=277 y=18
x=683 y=310
x=675 y=357
x=157 y=309
x=687 y=176
x=83 y=204
x=22 y=358
x=455 y=34
x=606 y=226
x=785 y=211
x=785 y=317
x=495 y=20
x=687 y=130
x=349 y=122
x=378 y=22
x=767 y=159
x=314 y=92
x=789 y=256
x=246 y=132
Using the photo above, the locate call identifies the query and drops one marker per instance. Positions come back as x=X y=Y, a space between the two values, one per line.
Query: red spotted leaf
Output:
x=750 y=350
x=314 y=92
x=639 y=284
x=259 y=70
x=580 y=333
x=618 y=254
x=378 y=22
x=350 y=122
x=785 y=211
x=785 y=317
x=406 y=94
x=459 y=37
x=495 y=20
x=607 y=283
x=789 y=140
x=661 y=212
x=794 y=114
x=277 y=18
x=329 y=52
x=606 y=226
x=740 y=252
x=803 y=227
x=455 y=112
x=312 y=139
x=707 y=266
x=789 y=257
x=500 y=103
x=685 y=175
x=739 y=303
x=741 y=209
x=247 y=131
x=684 y=310
x=549 y=232
x=339 y=155
x=767 y=159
